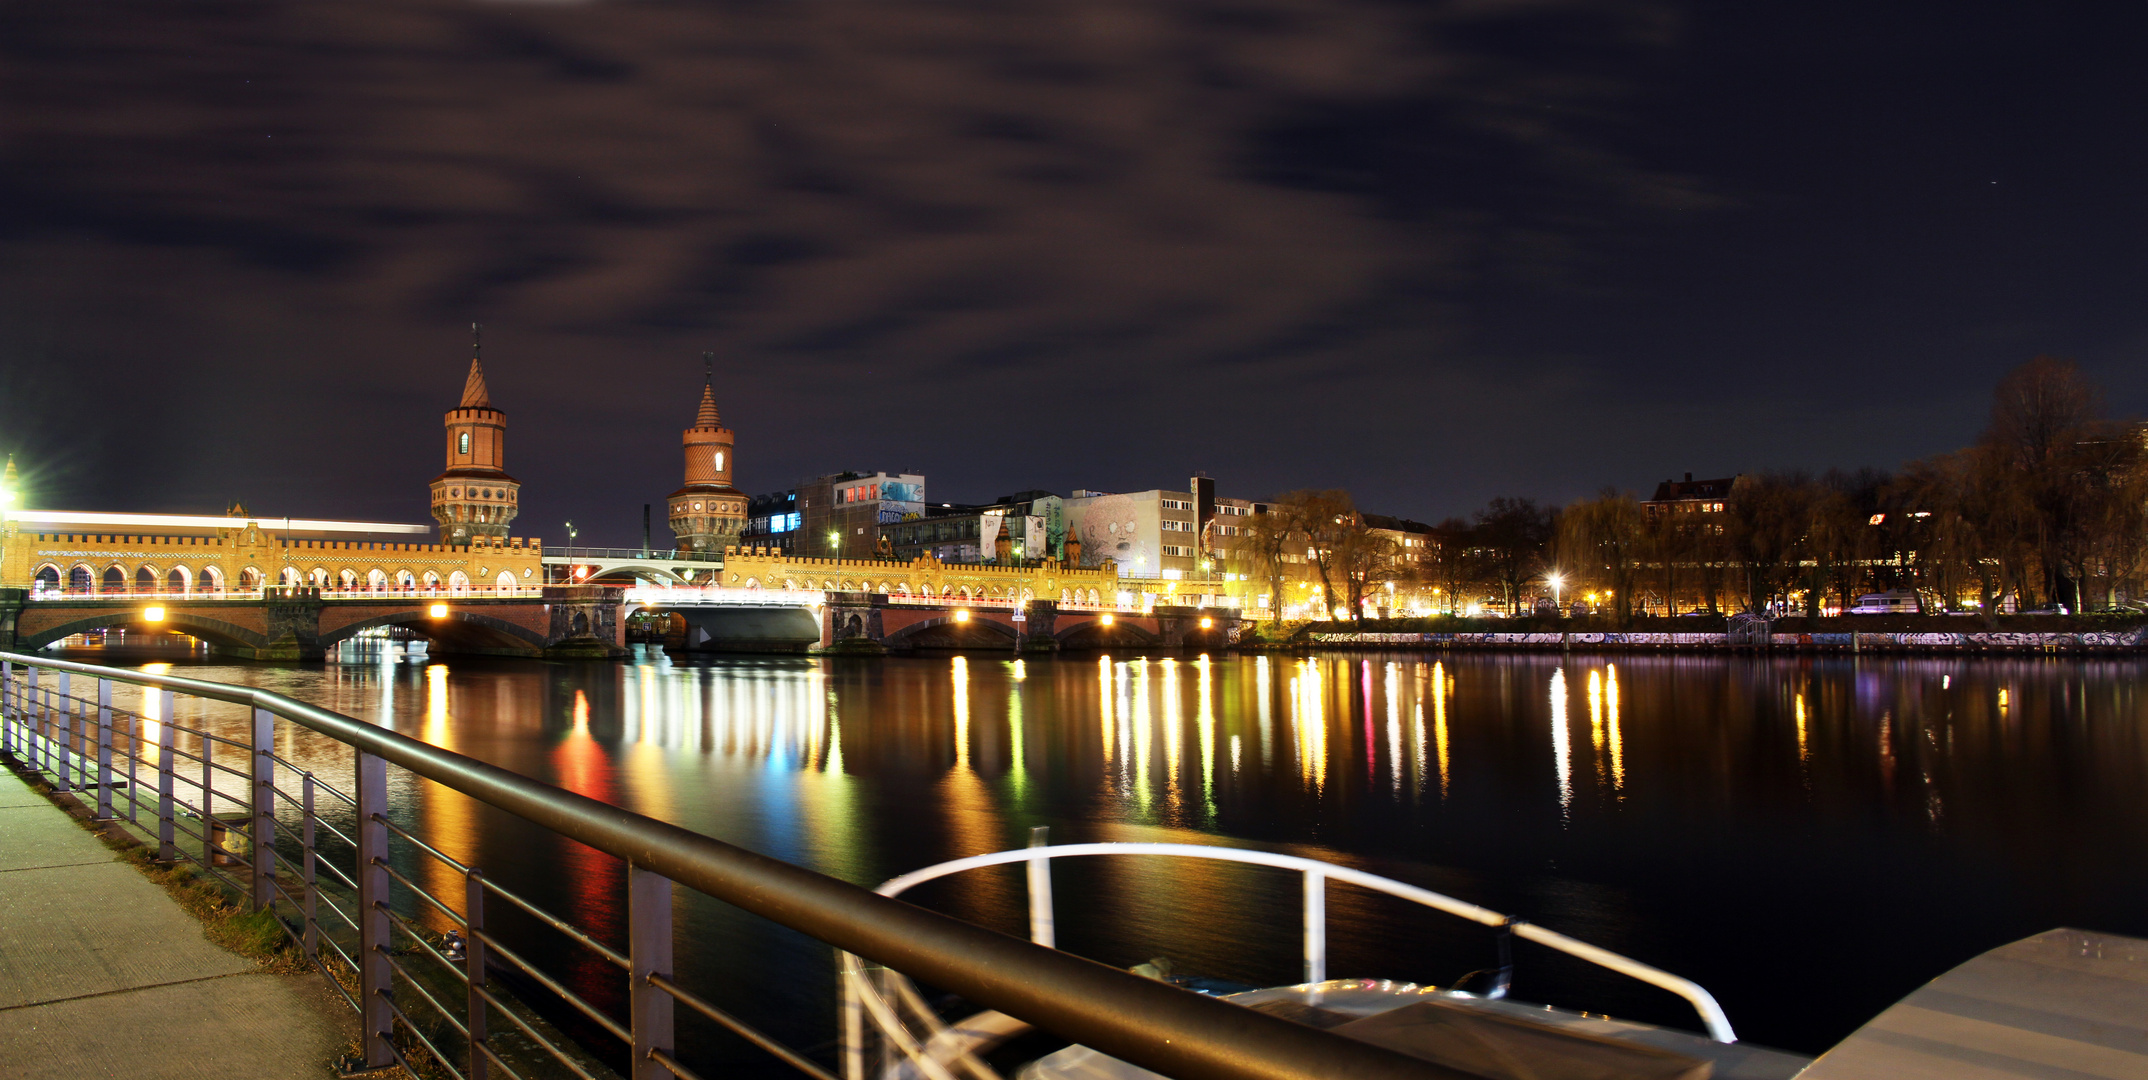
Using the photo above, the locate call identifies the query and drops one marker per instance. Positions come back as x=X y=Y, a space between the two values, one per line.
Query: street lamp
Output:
x=1558 y=581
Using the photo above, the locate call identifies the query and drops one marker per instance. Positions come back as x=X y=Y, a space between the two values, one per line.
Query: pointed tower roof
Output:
x=474 y=395
x=708 y=417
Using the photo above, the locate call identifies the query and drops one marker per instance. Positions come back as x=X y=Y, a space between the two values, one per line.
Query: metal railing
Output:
x=385 y=592
x=938 y=1050
x=584 y=554
x=722 y=596
x=328 y=875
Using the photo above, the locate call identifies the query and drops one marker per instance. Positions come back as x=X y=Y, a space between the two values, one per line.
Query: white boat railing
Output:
x=940 y=1045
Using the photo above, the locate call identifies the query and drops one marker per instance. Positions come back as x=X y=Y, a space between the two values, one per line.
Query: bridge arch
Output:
x=469 y=631
x=945 y=631
x=193 y=624
x=1095 y=634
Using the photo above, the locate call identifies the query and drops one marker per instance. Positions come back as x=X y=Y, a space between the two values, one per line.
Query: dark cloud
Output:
x=1099 y=243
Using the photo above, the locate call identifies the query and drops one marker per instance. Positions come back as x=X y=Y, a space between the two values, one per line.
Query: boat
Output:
x=2062 y=1004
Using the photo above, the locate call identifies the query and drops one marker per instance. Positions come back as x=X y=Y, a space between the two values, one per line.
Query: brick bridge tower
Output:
x=475 y=496
x=708 y=513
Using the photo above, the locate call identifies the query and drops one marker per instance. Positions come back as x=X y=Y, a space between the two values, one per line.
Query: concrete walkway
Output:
x=104 y=975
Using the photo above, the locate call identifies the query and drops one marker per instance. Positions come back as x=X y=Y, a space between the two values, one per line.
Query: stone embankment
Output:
x=1941 y=634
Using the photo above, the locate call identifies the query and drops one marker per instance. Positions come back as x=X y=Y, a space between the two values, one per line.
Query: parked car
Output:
x=1891 y=602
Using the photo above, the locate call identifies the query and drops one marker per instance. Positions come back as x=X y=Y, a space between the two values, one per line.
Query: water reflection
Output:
x=1728 y=816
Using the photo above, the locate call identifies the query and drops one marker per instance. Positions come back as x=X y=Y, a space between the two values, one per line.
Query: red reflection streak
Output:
x=582 y=767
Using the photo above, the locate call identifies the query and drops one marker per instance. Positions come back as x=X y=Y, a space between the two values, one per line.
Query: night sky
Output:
x=1431 y=253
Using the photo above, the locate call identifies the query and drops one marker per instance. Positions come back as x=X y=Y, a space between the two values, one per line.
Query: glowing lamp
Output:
x=152 y=614
x=962 y=615
x=1207 y=622
x=437 y=611
x=1105 y=619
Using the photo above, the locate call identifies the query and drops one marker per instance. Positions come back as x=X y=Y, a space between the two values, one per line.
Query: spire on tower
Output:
x=474 y=394
x=708 y=417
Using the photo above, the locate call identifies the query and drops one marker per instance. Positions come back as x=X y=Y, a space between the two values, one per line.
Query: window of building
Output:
x=1179 y=552
x=462 y=443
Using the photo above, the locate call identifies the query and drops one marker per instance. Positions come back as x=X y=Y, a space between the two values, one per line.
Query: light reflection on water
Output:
x=1759 y=825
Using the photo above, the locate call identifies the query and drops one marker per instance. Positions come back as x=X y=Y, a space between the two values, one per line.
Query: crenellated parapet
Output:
x=250 y=556
x=927 y=576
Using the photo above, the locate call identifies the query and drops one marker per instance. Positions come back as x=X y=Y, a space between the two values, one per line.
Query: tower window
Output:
x=462 y=443
x=719 y=461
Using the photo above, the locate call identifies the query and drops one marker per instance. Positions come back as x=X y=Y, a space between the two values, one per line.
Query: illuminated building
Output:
x=708 y=513
x=475 y=497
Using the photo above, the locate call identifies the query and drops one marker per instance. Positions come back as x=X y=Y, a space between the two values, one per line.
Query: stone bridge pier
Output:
x=873 y=624
x=568 y=622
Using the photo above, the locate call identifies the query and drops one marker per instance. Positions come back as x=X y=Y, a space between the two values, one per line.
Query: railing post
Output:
x=7 y=711
x=25 y=706
x=373 y=968
x=649 y=952
x=312 y=936
x=1316 y=926
x=264 y=809
x=134 y=761
x=104 y=750
x=1042 y=928
x=60 y=726
x=210 y=849
x=473 y=959
x=167 y=848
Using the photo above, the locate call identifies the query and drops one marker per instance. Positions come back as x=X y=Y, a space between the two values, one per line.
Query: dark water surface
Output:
x=1809 y=838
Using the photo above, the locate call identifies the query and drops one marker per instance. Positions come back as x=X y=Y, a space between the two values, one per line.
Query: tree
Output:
x=1321 y=519
x=1366 y=560
x=1611 y=532
x=1510 y=536
x=1267 y=548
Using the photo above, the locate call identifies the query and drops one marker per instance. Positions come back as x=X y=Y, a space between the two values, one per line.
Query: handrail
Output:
x=1148 y=1023
x=1702 y=1001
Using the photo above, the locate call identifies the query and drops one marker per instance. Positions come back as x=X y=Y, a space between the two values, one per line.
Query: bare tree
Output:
x=1609 y=534
x=1511 y=535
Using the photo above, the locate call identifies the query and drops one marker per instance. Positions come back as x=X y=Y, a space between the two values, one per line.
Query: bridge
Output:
x=629 y=566
x=733 y=619
x=297 y=623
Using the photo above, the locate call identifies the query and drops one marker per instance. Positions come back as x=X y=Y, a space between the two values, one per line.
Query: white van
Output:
x=1891 y=602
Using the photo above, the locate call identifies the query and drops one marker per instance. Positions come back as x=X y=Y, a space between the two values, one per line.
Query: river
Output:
x=1808 y=837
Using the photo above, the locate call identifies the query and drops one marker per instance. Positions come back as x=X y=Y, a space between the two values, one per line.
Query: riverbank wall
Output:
x=2131 y=640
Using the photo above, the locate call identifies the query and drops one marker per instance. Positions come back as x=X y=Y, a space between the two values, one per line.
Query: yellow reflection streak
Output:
x=1106 y=700
x=436 y=706
x=1439 y=722
x=1267 y=708
x=1017 y=737
x=1206 y=719
x=1393 y=689
x=1309 y=717
x=648 y=713
x=1618 y=739
x=1143 y=735
x=959 y=671
x=1561 y=744
x=152 y=711
x=1800 y=707
x=1173 y=733
x=1596 y=721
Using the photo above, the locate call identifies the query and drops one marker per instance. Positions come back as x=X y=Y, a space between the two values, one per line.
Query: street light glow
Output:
x=437 y=611
x=152 y=614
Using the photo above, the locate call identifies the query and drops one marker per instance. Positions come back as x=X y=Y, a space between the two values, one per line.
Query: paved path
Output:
x=103 y=975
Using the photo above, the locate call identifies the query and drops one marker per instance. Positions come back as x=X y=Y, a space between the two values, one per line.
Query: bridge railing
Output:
x=723 y=596
x=340 y=866
x=585 y=554
x=441 y=593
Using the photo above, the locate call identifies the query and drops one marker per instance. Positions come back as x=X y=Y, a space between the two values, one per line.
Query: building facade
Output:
x=1149 y=534
x=709 y=513
x=475 y=498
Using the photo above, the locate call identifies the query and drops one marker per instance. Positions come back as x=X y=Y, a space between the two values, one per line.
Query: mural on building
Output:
x=1110 y=529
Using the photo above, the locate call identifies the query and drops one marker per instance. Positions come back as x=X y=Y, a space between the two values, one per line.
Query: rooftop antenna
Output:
x=708 y=369
x=477 y=341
